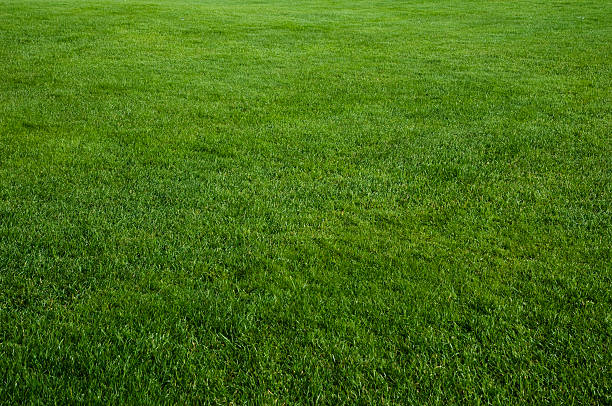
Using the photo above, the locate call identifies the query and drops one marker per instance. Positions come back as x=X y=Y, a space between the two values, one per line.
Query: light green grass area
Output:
x=334 y=202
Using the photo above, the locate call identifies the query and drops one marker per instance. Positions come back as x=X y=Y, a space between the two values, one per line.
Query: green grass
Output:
x=335 y=202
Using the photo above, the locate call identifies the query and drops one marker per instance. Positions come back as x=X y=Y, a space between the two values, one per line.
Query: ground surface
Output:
x=286 y=201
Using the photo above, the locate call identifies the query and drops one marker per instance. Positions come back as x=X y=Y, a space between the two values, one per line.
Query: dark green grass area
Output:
x=335 y=202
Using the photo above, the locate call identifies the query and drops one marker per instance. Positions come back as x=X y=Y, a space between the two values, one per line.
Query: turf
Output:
x=334 y=202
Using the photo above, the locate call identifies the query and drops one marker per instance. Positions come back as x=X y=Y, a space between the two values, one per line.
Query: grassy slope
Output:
x=373 y=201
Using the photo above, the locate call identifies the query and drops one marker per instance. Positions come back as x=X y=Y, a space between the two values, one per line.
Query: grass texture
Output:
x=305 y=202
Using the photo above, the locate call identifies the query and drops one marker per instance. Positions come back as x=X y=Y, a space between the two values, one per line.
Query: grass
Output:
x=335 y=202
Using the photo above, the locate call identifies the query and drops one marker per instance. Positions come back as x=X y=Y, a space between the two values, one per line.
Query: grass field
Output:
x=334 y=202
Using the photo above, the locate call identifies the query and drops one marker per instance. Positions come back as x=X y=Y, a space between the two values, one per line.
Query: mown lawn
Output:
x=335 y=202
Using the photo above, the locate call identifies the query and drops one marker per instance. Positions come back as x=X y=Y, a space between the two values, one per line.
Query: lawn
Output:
x=300 y=202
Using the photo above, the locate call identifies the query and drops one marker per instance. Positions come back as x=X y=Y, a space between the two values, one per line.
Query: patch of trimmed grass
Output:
x=336 y=202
